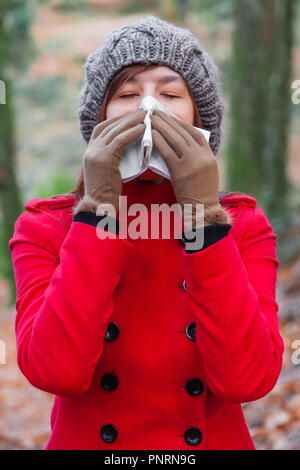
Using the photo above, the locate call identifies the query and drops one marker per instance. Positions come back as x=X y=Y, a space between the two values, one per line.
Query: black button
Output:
x=109 y=381
x=194 y=386
x=193 y=436
x=184 y=285
x=190 y=331
x=112 y=332
x=109 y=432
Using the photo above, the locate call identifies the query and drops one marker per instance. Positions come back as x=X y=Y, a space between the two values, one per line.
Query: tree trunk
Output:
x=259 y=85
x=10 y=204
x=15 y=47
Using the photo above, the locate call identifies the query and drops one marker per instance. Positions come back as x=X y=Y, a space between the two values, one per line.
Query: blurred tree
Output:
x=259 y=88
x=57 y=183
x=168 y=10
x=219 y=9
x=67 y=4
x=15 y=47
x=135 y=6
x=174 y=10
x=182 y=8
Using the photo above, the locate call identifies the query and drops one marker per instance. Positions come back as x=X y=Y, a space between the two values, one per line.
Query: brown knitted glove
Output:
x=102 y=177
x=192 y=166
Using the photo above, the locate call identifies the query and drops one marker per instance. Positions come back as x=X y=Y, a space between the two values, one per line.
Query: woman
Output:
x=148 y=343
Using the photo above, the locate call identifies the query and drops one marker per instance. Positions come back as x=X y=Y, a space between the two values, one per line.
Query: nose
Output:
x=149 y=92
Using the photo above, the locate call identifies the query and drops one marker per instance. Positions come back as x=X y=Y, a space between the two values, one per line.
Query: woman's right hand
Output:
x=102 y=177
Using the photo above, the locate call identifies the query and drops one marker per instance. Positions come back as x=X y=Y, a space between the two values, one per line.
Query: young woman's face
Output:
x=164 y=84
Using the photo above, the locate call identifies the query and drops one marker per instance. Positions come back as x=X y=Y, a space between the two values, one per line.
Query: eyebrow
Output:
x=165 y=79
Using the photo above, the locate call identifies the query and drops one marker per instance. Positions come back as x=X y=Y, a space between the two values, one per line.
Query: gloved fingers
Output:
x=194 y=133
x=175 y=124
x=122 y=124
x=119 y=141
x=168 y=154
x=171 y=136
x=103 y=125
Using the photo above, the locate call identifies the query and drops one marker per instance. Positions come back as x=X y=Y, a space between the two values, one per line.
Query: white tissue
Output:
x=133 y=162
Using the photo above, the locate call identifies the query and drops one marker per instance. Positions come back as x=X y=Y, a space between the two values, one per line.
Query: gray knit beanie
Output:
x=152 y=41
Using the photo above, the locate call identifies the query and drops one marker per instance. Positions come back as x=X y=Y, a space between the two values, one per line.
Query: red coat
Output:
x=131 y=355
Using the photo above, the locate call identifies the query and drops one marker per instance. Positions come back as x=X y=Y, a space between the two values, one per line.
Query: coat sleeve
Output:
x=63 y=309
x=237 y=329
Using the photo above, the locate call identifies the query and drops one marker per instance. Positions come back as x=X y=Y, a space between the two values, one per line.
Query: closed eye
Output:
x=164 y=94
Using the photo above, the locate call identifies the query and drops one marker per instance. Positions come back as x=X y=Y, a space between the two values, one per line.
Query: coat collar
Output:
x=146 y=193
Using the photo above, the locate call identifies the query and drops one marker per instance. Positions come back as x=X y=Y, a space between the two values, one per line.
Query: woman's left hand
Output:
x=192 y=166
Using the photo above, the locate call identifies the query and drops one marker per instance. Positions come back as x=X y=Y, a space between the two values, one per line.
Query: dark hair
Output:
x=124 y=75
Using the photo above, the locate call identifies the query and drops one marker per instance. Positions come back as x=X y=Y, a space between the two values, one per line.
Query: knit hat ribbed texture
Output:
x=152 y=40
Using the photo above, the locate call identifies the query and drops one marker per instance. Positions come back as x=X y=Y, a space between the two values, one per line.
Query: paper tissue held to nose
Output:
x=140 y=155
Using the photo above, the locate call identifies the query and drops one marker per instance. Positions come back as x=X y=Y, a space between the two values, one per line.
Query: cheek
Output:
x=189 y=113
x=187 y=116
x=184 y=111
x=116 y=109
x=111 y=111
